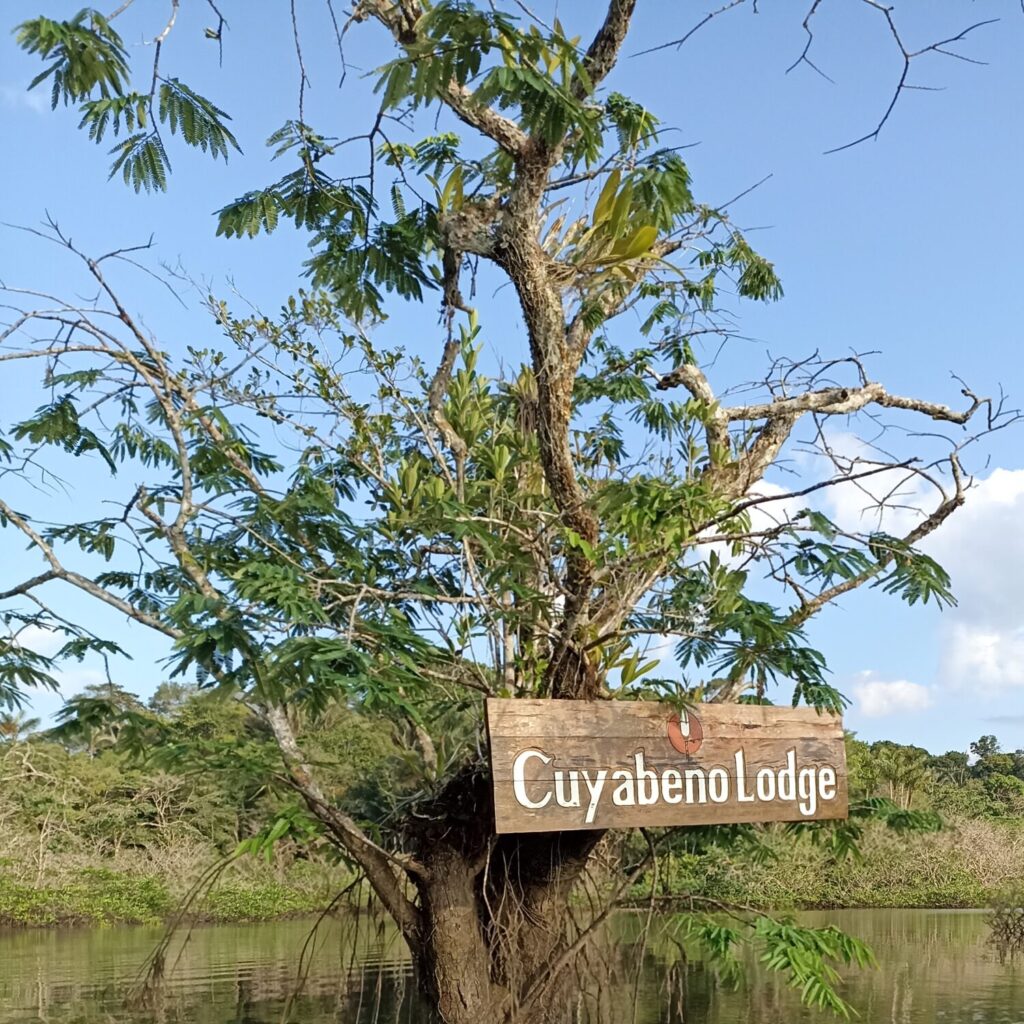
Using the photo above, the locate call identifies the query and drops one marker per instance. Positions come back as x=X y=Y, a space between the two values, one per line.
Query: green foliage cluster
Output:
x=95 y=896
x=258 y=902
x=100 y=826
x=894 y=871
x=983 y=782
x=89 y=68
x=99 y=829
x=925 y=831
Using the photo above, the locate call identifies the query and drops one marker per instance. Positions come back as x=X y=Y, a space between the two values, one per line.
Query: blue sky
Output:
x=909 y=245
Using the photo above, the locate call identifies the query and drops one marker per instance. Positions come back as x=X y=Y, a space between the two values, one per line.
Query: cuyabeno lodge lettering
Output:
x=640 y=786
x=560 y=766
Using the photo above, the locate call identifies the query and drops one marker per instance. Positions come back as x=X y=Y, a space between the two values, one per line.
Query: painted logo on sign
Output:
x=685 y=732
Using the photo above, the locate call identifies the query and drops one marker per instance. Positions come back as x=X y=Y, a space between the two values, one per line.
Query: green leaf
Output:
x=200 y=123
x=606 y=200
x=142 y=161
x=637 y=244
x=87 y=56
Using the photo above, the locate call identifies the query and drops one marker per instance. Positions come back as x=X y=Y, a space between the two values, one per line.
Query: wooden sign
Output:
x=559 y=765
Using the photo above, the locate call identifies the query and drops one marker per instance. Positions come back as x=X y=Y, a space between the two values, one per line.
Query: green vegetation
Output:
x=349 y=533
x=965 y=844
x=102 y=828
x=962 y=865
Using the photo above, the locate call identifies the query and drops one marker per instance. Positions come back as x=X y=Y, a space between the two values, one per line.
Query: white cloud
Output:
x=876 y=698
x=893 y=500
x=41 y=640
x=980 y=642
x=986 y=657
x=982 y=548
x=983 y=657
x=777 y=508
x=18 y=97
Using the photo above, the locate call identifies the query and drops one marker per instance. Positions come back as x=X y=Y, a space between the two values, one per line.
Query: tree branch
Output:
x=377 y=862
x=23 y=588
x=832 y=401
x=907 y=56
x=603 y=52
x=59 y=572
x=400 y=19
x=944 y=510
x=484 y=119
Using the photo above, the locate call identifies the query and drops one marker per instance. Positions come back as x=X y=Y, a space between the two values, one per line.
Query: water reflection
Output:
x=935 y=967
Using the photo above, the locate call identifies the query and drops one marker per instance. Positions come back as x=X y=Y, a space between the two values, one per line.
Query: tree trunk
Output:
x=454 y=959
x=495 y=914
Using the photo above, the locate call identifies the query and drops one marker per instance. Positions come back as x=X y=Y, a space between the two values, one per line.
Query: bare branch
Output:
x=24 y=588
x=832 y=401
x=696 y=28
x=505 y=132
x=944 y=510
x=887 y=12
x=60 y=572
x=908 y=56
x=691 y=377
x=804 y=57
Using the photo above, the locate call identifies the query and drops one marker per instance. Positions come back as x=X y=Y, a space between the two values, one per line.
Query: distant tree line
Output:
x=117 y=772
x=979 y=782
x=189 y=764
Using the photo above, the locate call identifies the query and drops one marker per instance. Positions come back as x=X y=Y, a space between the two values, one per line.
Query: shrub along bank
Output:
x=150 y=889
x=960 y=866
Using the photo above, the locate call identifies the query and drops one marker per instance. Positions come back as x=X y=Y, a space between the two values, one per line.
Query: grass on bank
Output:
x=961 y=866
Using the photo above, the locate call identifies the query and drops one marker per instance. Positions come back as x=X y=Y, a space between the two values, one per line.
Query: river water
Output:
x=935 y=966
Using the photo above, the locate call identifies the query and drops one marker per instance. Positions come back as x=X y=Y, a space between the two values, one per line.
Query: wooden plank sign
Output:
x=559 y=765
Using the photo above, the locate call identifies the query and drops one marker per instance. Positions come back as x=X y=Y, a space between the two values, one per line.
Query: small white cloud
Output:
x=877 y=698
x=982 y=548
x=41 y=640
x=18 y=97
x=985 y=658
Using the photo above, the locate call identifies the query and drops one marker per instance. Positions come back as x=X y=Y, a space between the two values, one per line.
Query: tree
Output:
x=170 y=698
x=903 y=770
x=94 y=718
x=316 y=522
x=998 y=764
x=951 y=767
x=16 y=726
x=984 y=746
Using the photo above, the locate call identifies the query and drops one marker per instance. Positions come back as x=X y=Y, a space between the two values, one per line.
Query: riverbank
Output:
x=100 y=896
x=958 y=867
x=150 y=886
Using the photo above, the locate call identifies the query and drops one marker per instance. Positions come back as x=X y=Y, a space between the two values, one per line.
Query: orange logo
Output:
x=685 y=733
